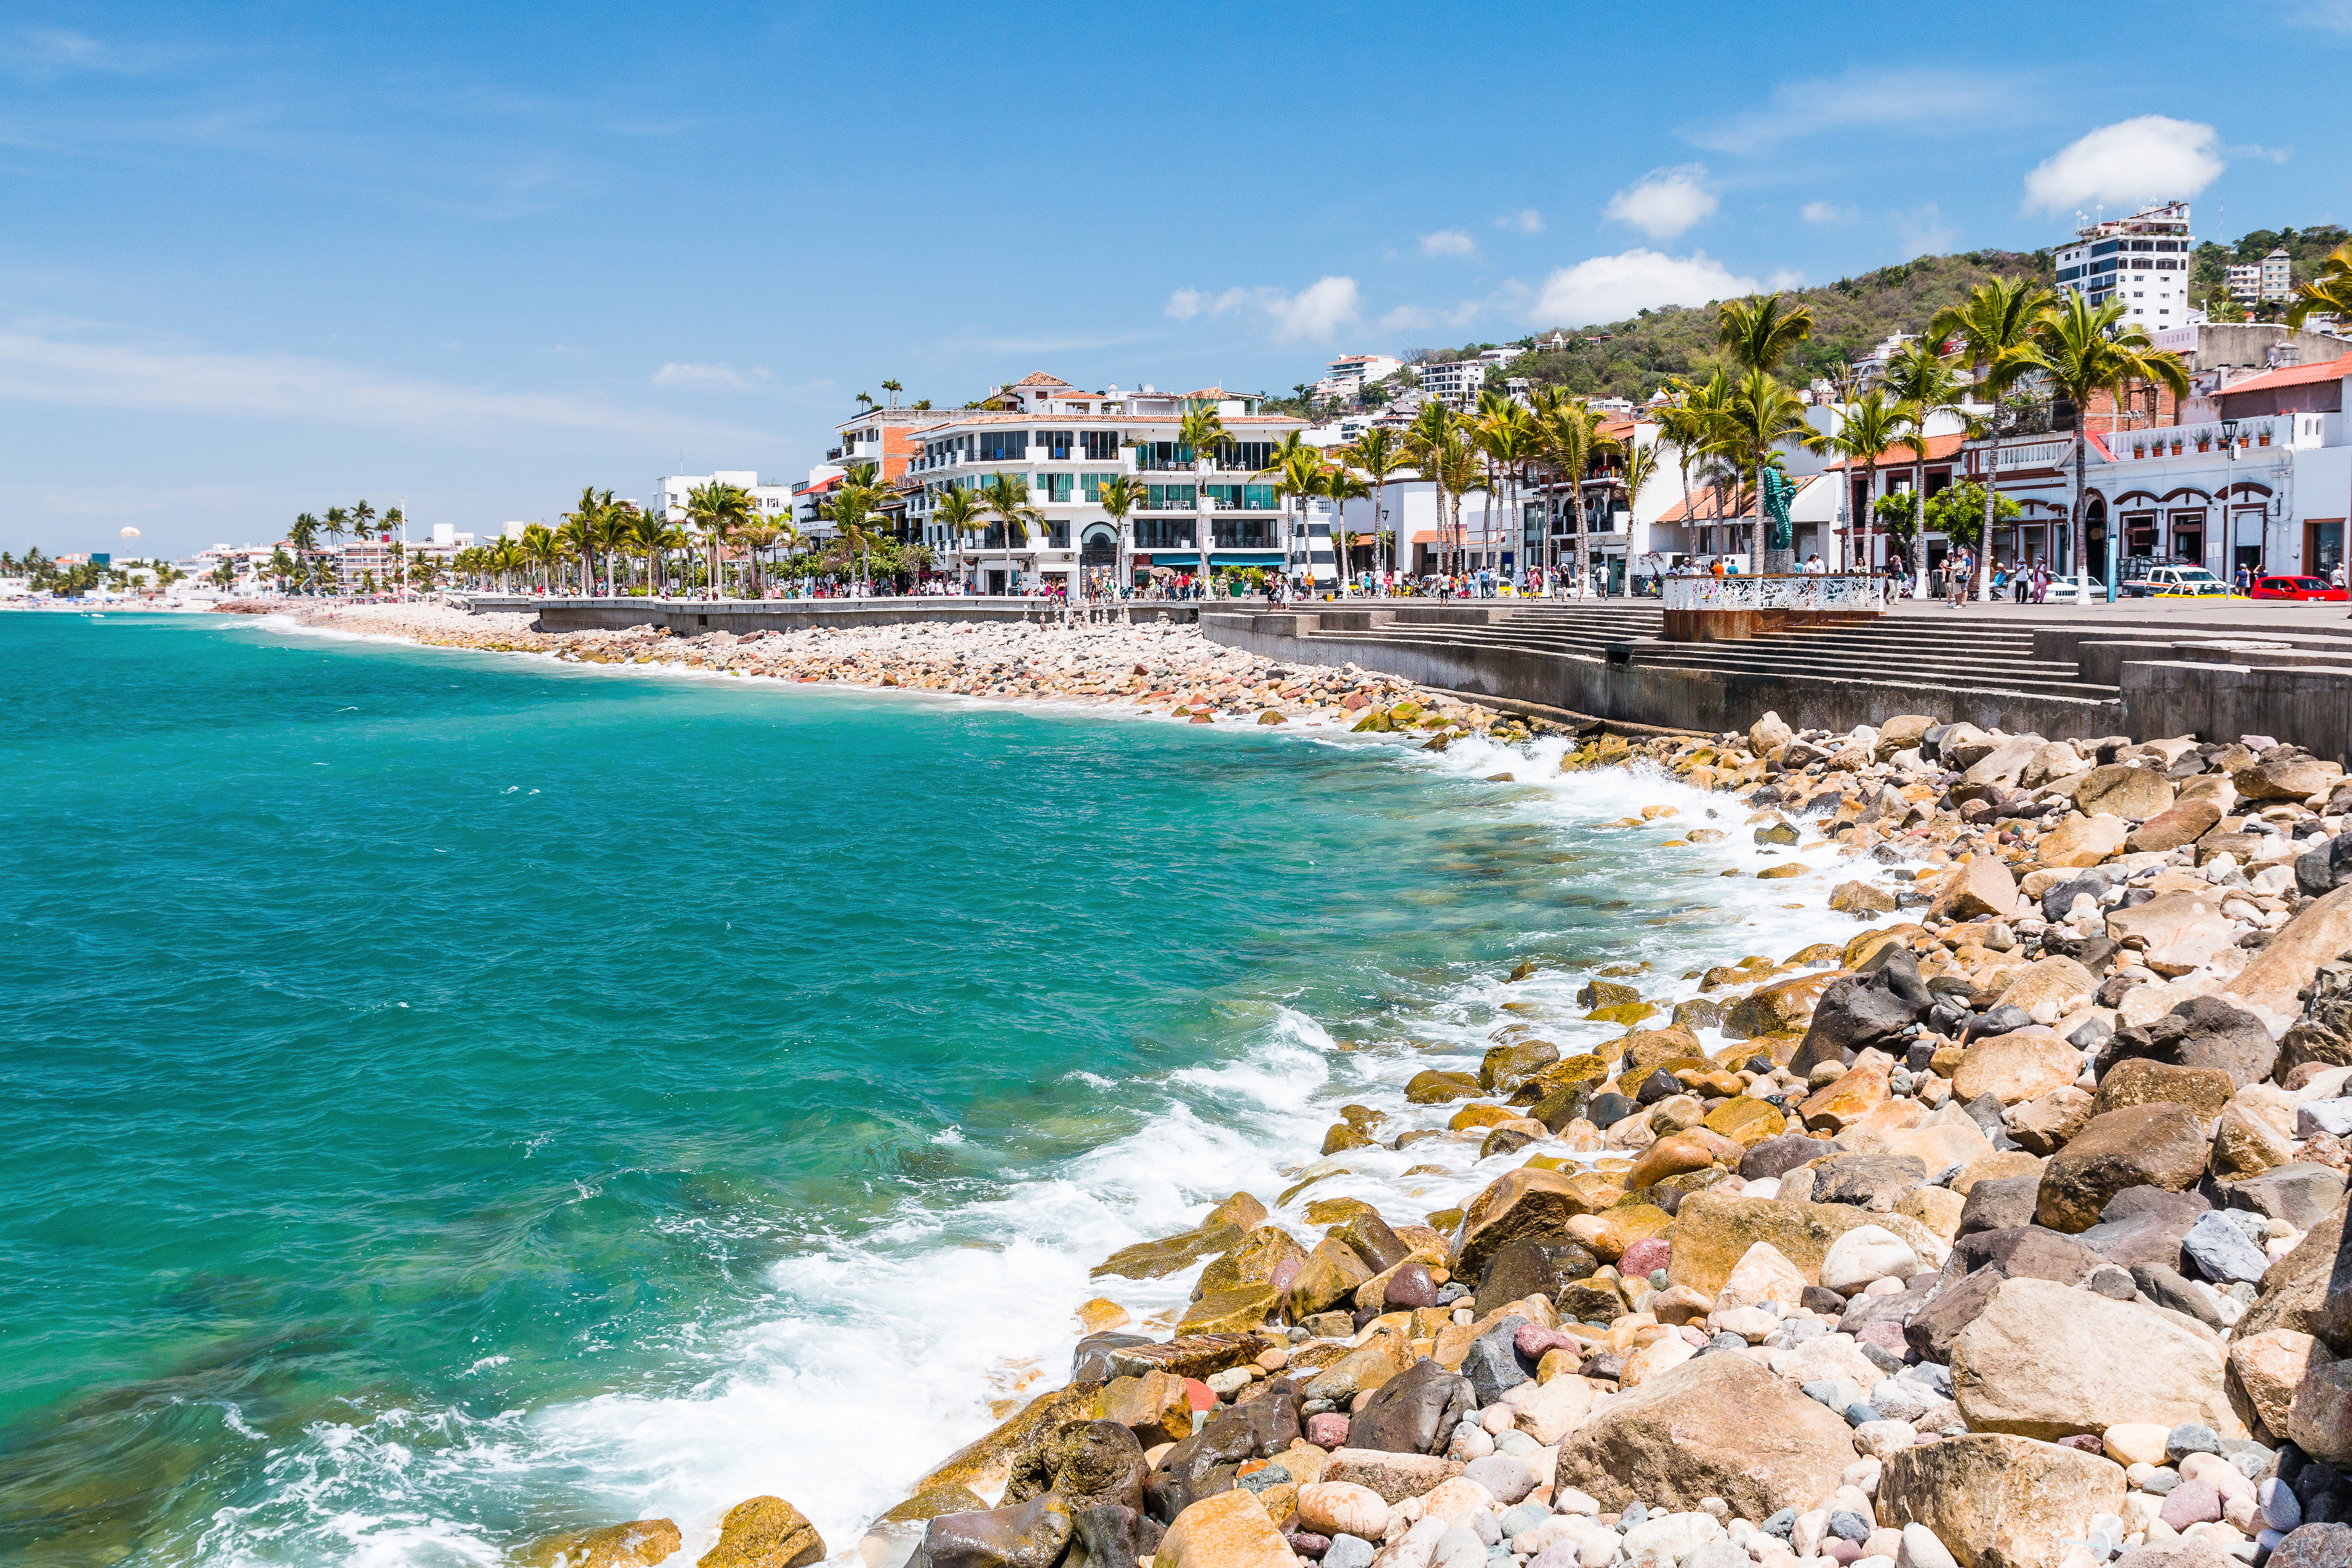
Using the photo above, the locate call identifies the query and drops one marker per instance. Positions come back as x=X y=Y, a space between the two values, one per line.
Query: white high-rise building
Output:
x=2142 y=260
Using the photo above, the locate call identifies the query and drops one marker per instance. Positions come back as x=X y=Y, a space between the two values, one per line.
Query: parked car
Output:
x=2072 y=591
x=2176 y=582
x=2301 y=588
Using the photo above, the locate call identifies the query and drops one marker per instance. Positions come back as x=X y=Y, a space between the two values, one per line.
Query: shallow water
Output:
x=457 y=1097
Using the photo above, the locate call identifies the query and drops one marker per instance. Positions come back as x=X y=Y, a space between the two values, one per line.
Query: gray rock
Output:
x=1524 y=1517
x=1493 y=1362
x=2222 y=1251
x=2112 y=1281
x=2279 y=1510
x=2000 y=1203
x=2170 y=1290
x=2333 y=1116
x=2314 y=1546
x=1416 y=1411
x=2024 y=1252
x=1920 y=1549
x=1509 y=1480
x=1930 y=1375
x=2191 y=1437
x=2203 y=1032
x=2300 y=1193
x=1349 y=1552
x=1488 y=1528
x=1867 y=1181
x=2144 y=1224
x=1847 y=1525
x=1955 y=1305
x=1776 y=1157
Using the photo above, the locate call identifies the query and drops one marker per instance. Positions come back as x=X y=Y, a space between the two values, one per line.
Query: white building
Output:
x=1457 y=383
x=2143 y=260
x=1064 y=442
x=672 y=491
x=1345 y=378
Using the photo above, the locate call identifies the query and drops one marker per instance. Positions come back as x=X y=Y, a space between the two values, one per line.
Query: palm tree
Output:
x=574 y=539
x=363 y=518
x=1458 y=472
x=1694 y=423
x=338 y=523
x=762 y=535
x=1764 y=415
x=2082 y=349
x=1871 y=425
x=1758 y=333
x=853 y=502
x=1640 y=468
x=1508 y=436
x=1376 y=455
x=1426 y=439
x=1203 y=433
x=304 y=537
x=1994 y=327
x=1118 y=496
x=1340 y=486
x=1297 y=469
x=959 y=512
x=544 y=550
x=718 y=510
x=1007 y=497
x=586 y=532
x=894 y=389
x=2329 y=293
x=613 y=531
x=650 y=533
x=1571 y=437
x=1925 y=385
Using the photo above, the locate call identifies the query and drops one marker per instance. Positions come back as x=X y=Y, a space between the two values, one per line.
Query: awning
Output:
x=1247 y=558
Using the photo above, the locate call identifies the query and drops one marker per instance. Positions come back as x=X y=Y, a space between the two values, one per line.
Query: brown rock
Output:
x=1861 y=1090
x=986 y=1464
x=1713 y=1231
x=2267 y=1368
x=1668 y=1157
x=1746 y=1121
x=1528 y=1202
x=2017 y=1066
x=1395 y=1477
x=1999 y=1502
x=1236 y=1310
x=2082 y=840
x=1781 y=1008
x=1231 y=1530
x=2045 y=1125
x=1331 y=1274
x=2049 y=988
x=1863 y=899
x=2120 y=790
x=2320 y=1420
x=2138 y=1081
x=2184 y=823
x=1259 y=1256
x=640 y=1544
x=1154 y=1406
x=2245 y=1144
x=2285 y=778
x=1505 y=1067
x=2269 y=985
x=1714 y=1426
x=2160 y=1145
x=1222 y=1229
x=764 y=1533
x=1434 y=1088
x=1980 y=887
x=2046 y=1360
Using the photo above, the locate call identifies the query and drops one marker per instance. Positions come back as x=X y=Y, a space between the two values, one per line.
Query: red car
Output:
x=2297 y=588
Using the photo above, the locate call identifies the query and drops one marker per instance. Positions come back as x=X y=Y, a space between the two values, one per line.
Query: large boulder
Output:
x=1415 y=1412
x=639 y=1543
x=1982 y=885
x=2184 y=823
x=2269 y=985
x=2310 y=1289
x=1997 y=1501
x=1087 y=1464
x=1222 y=1229
x=2017 y=1066
x=1542 y=1266
x=1716 y=1427
x=2160 y=1145
x=2202 y=1032
x=1232 y=1529
x=2082 y=841
x=1869 y=1009
x=2320 y=1420
x=2267 y=1368
x=2120 y=790
x=2141 y=1081
x=2145 y=1226
x=1527 y=1203
x=1784 y=1006
x=1330 y=1275
x=2049 y=988
x=768 y=1532
x=1713 y=1231
x=2044 y=1360
x=2177 y=931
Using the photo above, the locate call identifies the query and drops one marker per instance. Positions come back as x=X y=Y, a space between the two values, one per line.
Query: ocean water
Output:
x=456 y=1097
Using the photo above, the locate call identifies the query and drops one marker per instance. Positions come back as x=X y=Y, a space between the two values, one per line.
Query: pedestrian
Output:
x=2336 y=576
x=2245 y=578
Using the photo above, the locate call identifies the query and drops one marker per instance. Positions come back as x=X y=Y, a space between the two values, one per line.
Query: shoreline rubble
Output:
x=2000 y=1236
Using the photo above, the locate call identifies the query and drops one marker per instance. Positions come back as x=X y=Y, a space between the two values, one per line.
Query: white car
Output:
x=2177 y=582
x=2076 y=591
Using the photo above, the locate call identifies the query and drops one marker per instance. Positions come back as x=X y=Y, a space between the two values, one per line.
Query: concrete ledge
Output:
x=689 y=617
x=2310 y=705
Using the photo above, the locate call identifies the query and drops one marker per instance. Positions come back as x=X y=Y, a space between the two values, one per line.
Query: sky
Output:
x=262 y=259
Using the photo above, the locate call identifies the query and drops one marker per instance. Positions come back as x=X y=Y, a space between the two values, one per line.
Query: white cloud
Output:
x=115 y=375
x=1878 y=99
x=1448 y=242
x=1828 y=214
x=1526 y=221
x=1317 y=310
x=1782 y=278
x=1664 y=201
x=712 y=377
x=1611 y=288
x=2152 y=158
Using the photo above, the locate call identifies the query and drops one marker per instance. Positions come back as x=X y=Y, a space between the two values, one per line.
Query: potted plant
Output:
x=2140 y=449
x=2204 y=441
x=2176 y=445
x=2265 y=437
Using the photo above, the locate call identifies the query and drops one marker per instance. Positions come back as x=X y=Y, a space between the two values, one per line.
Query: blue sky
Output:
x=262 y=259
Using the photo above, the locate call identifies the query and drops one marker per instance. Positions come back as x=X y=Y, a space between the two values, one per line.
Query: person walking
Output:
x=1955 y=579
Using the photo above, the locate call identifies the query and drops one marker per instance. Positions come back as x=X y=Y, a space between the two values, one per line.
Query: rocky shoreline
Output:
x=2008 y=1234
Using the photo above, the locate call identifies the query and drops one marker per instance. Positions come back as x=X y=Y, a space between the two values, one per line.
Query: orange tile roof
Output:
x=2296 y=376
x=1039 y=378
x=1939 y=450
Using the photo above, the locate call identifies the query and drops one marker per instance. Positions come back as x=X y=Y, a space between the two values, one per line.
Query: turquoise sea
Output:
x=456 y=1097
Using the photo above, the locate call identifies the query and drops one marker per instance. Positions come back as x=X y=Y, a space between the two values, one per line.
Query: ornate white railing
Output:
x=1797 y=591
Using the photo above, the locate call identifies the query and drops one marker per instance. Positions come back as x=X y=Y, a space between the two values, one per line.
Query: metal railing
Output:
x=1793 y=590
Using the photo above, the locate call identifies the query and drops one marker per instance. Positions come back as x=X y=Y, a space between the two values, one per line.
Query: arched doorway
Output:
x=1098 y=546
x=2095 y=536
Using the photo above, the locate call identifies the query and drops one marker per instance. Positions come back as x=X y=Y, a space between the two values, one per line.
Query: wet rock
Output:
x=2044 y=1359
x=1086 y=1465
x=1431 y=1087
x=1998 y=1501
x=1331 y=1274
x=639 y=1543
x=1231 y=1530
x=1155 y=1408
x=1532 y=1265
x=1505 y=1067
x=1203 y=1463
x=1370 y=1238
x=1109 y=1535
x=985 y=1464
x=1717 y=1426
x=768 y=1532
x=2160 y=1145
x=1415 y=1412
x=1526 y=1204
x=1219 y=1232
x=1493 y=1362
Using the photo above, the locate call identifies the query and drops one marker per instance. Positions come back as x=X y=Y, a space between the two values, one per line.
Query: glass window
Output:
x=1167 y=498
x=1257 y=497
x=1055 y=487
x=1101 y=446
x=997 y=444
x=1094 y=483
x=1056 y=445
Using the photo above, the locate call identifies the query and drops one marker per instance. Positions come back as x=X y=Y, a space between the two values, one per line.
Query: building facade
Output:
x=1064 y=443
x=2142 y=260
x=773 y=501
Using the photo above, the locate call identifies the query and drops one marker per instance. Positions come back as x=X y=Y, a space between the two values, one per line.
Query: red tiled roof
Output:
x=1939 y=450
x=1039 y=378
x=2296 y=376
